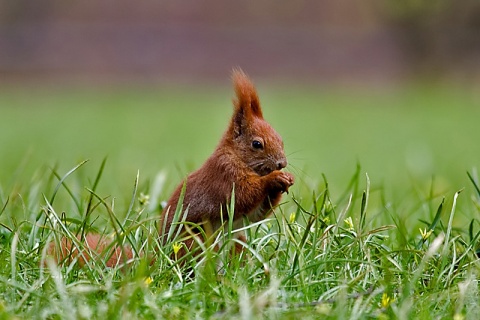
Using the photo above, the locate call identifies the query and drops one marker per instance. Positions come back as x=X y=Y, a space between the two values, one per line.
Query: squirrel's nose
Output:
x=281 y=164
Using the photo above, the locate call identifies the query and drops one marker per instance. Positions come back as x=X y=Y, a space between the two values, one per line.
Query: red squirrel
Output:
x=248 y=160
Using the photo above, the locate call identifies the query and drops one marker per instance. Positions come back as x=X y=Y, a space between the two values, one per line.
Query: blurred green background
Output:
x=398 y=136
x=393 y=86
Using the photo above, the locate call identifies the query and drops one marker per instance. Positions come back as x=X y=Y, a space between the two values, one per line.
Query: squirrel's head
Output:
x=257 y=144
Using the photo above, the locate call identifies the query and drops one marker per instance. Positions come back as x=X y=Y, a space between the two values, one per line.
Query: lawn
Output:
x=382 y=221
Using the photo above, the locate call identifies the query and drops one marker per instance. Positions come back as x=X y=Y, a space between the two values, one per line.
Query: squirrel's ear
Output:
x=247 y=105
x=247 y=98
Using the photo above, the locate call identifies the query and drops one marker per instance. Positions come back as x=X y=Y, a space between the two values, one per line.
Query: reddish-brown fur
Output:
x=95 y=246
x=248 y=160
x=254 y=173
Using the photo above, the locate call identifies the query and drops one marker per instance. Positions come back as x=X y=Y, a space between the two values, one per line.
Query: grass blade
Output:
x=475 y=183
x=94 y=187
x=62 y=180
x=432 y=225
x=134 y=197
x=4 y=206
x=363 y=210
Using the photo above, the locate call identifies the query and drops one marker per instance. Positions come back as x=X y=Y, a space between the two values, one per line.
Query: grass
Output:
x=390 y=243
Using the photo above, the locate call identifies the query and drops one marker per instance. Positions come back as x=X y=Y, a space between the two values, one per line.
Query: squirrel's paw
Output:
x=281 y=180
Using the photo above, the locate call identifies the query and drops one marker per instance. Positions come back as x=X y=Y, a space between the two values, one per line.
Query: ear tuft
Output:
x=247 y=101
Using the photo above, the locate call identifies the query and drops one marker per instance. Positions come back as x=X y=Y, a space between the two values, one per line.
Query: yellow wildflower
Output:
x=176 y=247
x=386 y=300
x=143 y=199
x=458 y=316
x=349 y=223
x=292 y=217
x=328 y=206
x=424 y=233
x=147 y=281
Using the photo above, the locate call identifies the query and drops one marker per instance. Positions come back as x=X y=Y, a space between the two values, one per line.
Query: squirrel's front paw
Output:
x=282 y=180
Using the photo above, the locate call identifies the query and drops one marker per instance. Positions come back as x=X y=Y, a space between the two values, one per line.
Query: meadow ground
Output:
x=382 y=221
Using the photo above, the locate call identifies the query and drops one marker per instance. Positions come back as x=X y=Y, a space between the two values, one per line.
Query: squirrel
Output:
x=248 y=161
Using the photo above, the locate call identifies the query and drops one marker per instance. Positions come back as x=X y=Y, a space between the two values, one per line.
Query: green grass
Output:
x=344 y=244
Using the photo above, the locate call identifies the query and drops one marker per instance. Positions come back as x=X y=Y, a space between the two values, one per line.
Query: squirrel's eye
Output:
x=257 y=144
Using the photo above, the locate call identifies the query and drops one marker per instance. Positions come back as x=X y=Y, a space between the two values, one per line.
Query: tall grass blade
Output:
x=433 y=224
x=4 y=206
x=176 y=217
x=94 y=188
x=475 y=183
x=156 y=190
x=352 y=187
x=231 y=212
x=134 y=197
x=61 y=182
x=363 y=210
x=89 y=208
x=13 y=256
x=450 y=221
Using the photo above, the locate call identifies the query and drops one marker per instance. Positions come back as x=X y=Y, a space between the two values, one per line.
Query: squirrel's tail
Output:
x=93 y=247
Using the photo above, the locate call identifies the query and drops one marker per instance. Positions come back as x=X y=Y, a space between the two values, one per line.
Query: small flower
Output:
x=176 y=247
x=143 y=199
x=328 y=206
x=147 y=281
x=424 y=233
x=386 y=300
x=324 y=309
x=458 y=316
x=349 y=223
x=326 y=220
x=114 y=234
x=292 y=217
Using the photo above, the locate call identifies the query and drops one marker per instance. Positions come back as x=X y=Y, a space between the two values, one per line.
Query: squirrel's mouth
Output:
x=264 y=170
